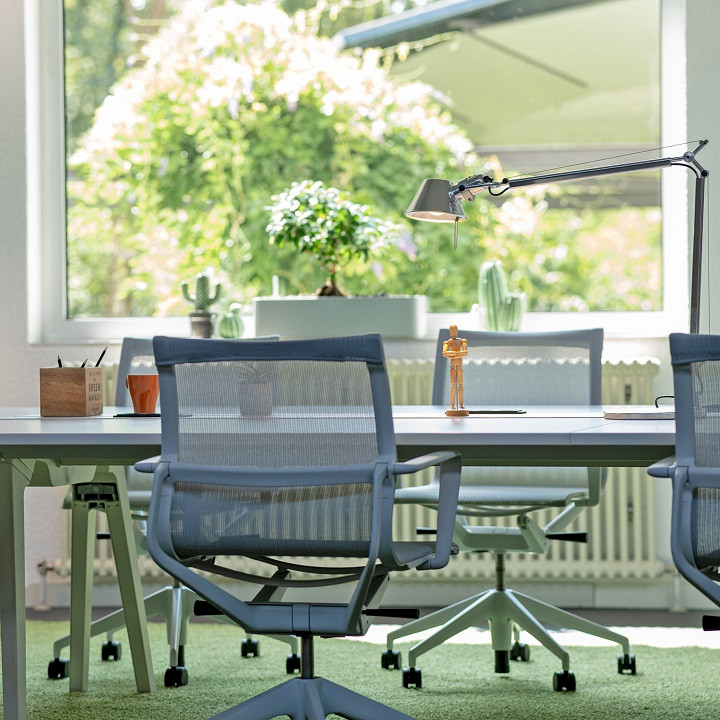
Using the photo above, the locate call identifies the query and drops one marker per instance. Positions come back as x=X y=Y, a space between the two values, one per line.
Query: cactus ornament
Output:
x=503 y=309
x=230 y=324
x=201 y=317
x=203 y=297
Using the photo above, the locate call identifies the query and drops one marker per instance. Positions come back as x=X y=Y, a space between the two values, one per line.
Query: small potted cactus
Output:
x=503 y=309
x=230 y=324
x=201 y=318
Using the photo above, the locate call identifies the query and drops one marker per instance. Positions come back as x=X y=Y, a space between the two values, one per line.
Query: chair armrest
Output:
x=450 y=465
x=139 y=499
x=423 y=462
x=664 y=468
x=148 y=465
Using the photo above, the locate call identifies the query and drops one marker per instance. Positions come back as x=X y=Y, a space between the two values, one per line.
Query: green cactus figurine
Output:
x=503 y=309
x=203 y=297
x=201 y=319
x=230 y=324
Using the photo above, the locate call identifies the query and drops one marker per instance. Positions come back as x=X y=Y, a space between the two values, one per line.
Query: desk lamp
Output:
x=441 y=201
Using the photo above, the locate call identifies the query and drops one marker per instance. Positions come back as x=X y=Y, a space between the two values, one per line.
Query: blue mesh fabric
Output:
x=311 y=520
x=706 y=527
x=283 y=440
x=524 y=375
x=275 y=414
x=706 y=400
x=517 y=370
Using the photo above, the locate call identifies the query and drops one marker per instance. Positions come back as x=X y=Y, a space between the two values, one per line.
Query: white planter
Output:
x=295 y=317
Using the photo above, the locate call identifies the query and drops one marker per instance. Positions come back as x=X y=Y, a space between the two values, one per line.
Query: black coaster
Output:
x=137 y=415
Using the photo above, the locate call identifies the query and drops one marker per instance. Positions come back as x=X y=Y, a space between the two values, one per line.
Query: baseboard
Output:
x=669 y=592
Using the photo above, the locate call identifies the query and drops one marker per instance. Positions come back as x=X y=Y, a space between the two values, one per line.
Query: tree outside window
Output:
x=185 y=118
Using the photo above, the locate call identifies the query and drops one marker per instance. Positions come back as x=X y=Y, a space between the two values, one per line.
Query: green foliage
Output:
x=226 y=106
x=319 y=221
x=176 y=172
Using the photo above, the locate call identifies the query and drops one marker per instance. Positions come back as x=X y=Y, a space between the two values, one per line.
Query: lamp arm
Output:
x=471 y=186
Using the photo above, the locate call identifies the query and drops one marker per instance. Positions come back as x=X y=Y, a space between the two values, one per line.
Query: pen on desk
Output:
x=84 y=363
x=102 y=355
x=59 y=362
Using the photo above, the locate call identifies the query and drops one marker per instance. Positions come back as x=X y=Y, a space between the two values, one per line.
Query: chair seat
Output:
x=409 y=552
x=494 y=495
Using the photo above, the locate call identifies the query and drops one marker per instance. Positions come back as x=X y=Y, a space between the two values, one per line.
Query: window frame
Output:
x=47 y=297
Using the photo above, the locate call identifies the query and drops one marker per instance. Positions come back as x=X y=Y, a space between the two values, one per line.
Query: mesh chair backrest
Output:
x=279 y=413
x=562 y=368
x=696 y=374
x=138 y=358
x=517 y=370
x=284 y=439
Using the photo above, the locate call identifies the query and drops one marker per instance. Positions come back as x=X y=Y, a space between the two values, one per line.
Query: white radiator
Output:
x=621 y=528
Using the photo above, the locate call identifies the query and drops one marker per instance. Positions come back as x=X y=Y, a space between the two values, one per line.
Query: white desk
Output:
x=547 y=435
x=33 y=451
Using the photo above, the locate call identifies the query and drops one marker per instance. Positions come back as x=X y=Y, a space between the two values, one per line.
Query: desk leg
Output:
x=125 y=552
x=84 y=523
x=12 y=591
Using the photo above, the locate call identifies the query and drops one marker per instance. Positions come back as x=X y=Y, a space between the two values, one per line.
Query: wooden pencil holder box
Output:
x=71 y=392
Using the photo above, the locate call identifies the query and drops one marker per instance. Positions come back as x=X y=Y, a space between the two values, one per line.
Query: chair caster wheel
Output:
x=292 y=663
x=502 y=661
x=250 y=647
x=520 y=651
x=412 y=676
x=626 y=662
x=391 y=660
x=58 y=668
x=564 y=680
x=111 y=650
x=176 y=676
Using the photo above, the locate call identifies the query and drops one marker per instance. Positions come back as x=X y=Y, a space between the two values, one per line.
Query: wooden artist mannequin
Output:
x=456 y=349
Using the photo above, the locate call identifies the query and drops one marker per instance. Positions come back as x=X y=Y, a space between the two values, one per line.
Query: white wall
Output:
x=20 y=360
x=19 y=384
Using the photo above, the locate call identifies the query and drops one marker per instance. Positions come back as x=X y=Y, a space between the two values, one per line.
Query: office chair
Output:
x=514 y=371
x=303 y=482
x=695 y=468
x=173 y=602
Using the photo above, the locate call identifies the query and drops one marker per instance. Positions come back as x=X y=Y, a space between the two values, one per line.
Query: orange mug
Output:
x=144 y=391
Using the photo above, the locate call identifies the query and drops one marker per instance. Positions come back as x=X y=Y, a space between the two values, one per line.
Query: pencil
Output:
x=102 y=355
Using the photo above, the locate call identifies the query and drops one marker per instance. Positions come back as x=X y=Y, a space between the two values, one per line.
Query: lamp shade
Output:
x=434 y=202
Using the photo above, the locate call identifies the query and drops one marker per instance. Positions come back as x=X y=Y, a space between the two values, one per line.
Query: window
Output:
x=182 y=122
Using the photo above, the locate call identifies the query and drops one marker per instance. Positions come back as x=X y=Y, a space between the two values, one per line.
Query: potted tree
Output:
x=320 y=221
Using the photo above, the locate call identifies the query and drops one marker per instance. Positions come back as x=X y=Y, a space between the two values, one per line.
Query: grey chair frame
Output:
x=173 y=602
x=686 y=475
x=307 y=696
x=519 y=611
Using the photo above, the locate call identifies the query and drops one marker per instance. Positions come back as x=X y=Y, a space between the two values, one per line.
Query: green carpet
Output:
x=459 y=683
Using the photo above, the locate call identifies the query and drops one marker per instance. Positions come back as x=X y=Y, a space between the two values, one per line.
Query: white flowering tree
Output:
x=232 y=104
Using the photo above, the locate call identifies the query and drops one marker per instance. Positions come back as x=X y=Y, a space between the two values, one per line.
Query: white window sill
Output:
x=628 y=327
